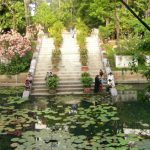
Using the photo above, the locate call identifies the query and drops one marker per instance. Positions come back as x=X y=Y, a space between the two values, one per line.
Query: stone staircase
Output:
x=69 y=71
x=94 y=55
x=70 y=66
x=43 y=65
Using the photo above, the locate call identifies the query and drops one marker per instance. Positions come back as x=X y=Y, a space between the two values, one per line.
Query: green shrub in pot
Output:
x=86 y=80
x=52 y=82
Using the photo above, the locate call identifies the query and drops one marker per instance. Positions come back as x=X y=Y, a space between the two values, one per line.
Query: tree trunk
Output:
x=27 y=16
x=117 y=25
x=107 y=21
x=14 y=21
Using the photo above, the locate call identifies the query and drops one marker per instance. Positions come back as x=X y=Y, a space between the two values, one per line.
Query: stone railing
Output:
x=33 y=64
x=107 y=70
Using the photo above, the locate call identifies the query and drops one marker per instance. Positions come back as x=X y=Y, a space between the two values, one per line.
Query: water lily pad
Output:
x=78 y=141
x=115 y=118
x=73 y=127
x=21 y=140
x=13 y=145
x=62 y=114
x=88 y=147
x=10 y=130
x=26 y=125
x=15 y=139
x=83 y=137
x=60 y=106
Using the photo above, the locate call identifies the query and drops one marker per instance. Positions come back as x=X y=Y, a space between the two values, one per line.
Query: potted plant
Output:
x=81 y=39
x=56 y=59
x=84 y=59
x=86 y=81
x=58 y=40
x=52 y=83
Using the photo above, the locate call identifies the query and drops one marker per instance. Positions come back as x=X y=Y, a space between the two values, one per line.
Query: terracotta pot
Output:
x=55 y=70
x=85 y=68
x=52 y=91
x=87 y=90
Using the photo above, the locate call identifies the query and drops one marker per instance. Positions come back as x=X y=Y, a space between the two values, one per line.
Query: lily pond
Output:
x=84 y=122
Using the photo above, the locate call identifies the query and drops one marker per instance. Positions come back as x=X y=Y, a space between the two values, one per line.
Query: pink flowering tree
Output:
x=12 y=44
x=17 y=50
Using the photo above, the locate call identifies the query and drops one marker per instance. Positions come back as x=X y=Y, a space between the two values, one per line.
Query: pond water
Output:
x=75 y=122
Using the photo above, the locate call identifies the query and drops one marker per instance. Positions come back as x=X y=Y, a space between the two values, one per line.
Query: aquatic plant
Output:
x=11 y=91
x=123 y=87
x=12 y=118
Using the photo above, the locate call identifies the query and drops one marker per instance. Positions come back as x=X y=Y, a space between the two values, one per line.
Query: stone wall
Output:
x=123 y=61
x=10 y=80
x=127 y=77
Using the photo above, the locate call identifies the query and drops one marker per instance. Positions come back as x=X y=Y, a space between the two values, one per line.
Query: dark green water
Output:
x=132 y=107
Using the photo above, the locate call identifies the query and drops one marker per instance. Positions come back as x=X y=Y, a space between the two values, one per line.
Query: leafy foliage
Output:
x=44 y=15
x=12 y=118
x=11 y=91
x=84 y=57
x=86 y=119
x=17 y=52
x=56 y=56
x=85 y=74
x=86 y=80
x=146 y=73
x=82 y=33
x=17 y=65
x=56 y=29
x=128 y=46
x=12 y=15
x=52 y=82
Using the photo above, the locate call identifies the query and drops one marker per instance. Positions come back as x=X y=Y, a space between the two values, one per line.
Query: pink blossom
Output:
x=12 y=44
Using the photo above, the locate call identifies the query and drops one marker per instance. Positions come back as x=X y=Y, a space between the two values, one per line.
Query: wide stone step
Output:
x=70 y=92
x=42 y=77
x=61 y=79
x=73 y=89
x=43 y=69
x=42 y=90
x=58 y=93
x=44 y=58
x=69 y=53
x=39 y=83
x=59 y=86
x=40 y=93
x=47 y=55
x=70 y=89
x=39 y=86
x=42 y=74
x=48 y=64
x=60 y=83
x=44 y=61
x=41 y=63
x=60 y=74
x=42 y=66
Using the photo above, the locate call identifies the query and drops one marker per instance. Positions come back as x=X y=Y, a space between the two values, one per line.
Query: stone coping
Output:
x=11 y=79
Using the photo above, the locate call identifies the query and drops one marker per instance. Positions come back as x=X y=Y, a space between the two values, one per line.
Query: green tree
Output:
x=12 y=15
x=44 y=15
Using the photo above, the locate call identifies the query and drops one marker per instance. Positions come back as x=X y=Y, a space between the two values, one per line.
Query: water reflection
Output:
x=125 y=96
